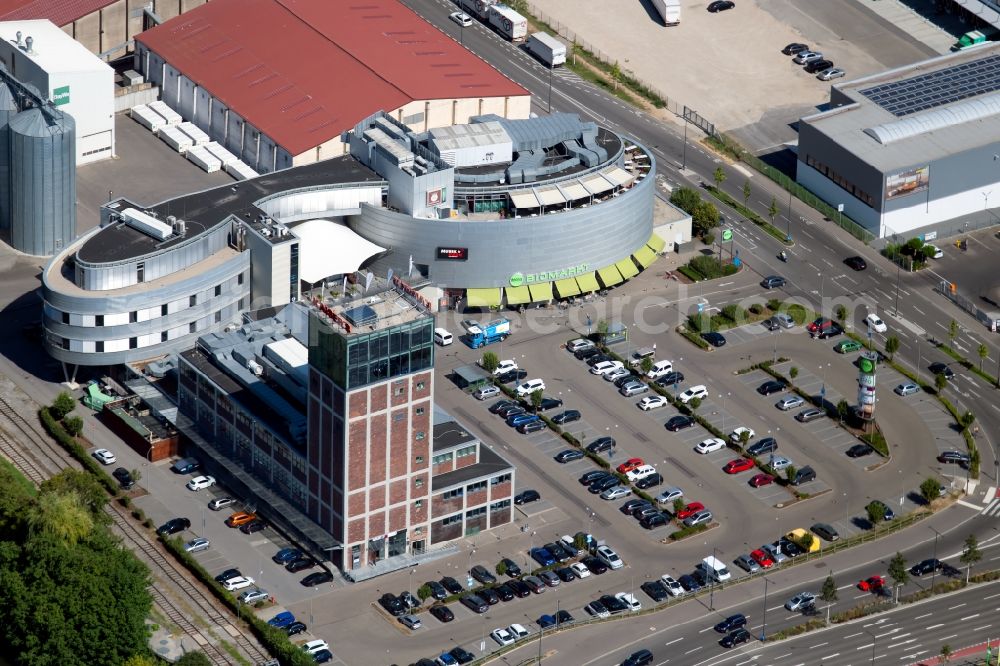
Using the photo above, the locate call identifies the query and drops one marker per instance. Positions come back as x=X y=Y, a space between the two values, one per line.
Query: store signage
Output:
x=518 y=279
x=727 y=235
x=866 y=365
x=453 y=253
x=436 y=197
x=867 y=381
x=60 y=96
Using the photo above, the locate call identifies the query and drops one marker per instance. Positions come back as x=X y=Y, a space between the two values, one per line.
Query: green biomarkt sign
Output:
x=520 y=279
x=727 y=234
x=866 y=366
x=60 y=96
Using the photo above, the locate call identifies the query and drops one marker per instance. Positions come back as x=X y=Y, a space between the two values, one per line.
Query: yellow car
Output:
x=240 y=518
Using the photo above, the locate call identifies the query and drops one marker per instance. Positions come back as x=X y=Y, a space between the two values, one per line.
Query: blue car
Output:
x=519 y=419
x=543 y=557
x=546 y=621
x=282 y=619
x=446 y=659
x=286 y=555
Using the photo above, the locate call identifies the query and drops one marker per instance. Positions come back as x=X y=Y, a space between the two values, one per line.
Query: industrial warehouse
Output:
x=911 y=149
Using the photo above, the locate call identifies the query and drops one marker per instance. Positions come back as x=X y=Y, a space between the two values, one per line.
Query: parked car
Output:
x=550 y=578
x=847 y=346
x=227 y=574
x=254 y=526
x=679 y=422
x=710 y=445
x=609 y=557
x=238 y=583
x=511 y=376
x=499 y=405
x=601 y=444
x=568 y=416
x=220 y=503
x=887 y=512
x=669 y=495
x=789 y=402
x=391 y=603
x=529 y=387
x=542 y=556
x=689 y=510
x=715 y=339
x=592 y=476
x=758 y=480
x=830 y=74
x=475 y=603
x=720 y=5
x=652 y=402
x=617 y=373
x=629 y=465
x=689 y=584
x=512 y=569
x=771 y=324
x=653 y=521
x=700 y=518
x=825 y=531
x=531 y=426
x=296 y=628
x=956 y=457
x=778 y=463
x=818 y=65
x=795 y=48
x=123 y=477
x=502 y=636
x=670 y=379
x=240 y=518
x=548 y=403
x=486 y=392
x=673 y=587
x=802 y=57
x=762 y=446
x=579 y=344
x=632 y=388
x=656 y=590
x=197 y=545
x=747 y=563
x=452 y=585
x=104 y=457
x=811 y=414
x=650 y=481
x=859 y=451
x=253 y=596
x=771 y=386
x=526 y=497
x=762 y=557
x=317 y=578
x=907 y=388
x=200 y=482
x=738 y=465
x=534 y=583
x=737 y=435
x=442 y=613
x=569 y=455
x=173 y=526
x=411 y=622
x=803 y=475
x=596 y=609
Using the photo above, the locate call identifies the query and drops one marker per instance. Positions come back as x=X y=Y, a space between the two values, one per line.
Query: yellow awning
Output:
x=609 y=275
x=482 y=298
x=656 y=243
x=540 y=291
x=567 y=288
x=627 y=268
x=588 y=282
x=517 y=295
x=644 y=256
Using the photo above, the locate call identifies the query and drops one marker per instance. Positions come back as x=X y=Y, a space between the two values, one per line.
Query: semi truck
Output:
x=547 y=48
x=486 y=334
x=670 y=11
x=508 y=23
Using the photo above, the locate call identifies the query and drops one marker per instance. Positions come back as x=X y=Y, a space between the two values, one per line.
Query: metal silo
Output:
x=43 y=180
x=8 y=107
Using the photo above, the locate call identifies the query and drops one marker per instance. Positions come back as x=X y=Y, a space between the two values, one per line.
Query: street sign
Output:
x=736 y=260
x=727 y=234
x=701 y=308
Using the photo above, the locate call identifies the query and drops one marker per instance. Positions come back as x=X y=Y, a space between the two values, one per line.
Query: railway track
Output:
x=46 y=460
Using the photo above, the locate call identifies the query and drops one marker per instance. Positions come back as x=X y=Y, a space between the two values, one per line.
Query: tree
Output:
x=139 y=660
x=806 y=541
x=197 y=658
x=790 y=473
x=843 y=409
x=501 y=568
x=840 y=312
x=876 y=512
x=580 y=541
x=793 y=372
x=940 y=381
x=602 y=329
x=678 y=505
x=490 y=361
x=424 y=591
x=828 y=593
x=63 y=405
x=897 y=570
x=746 y=193
x=984 y=353
x=686 y=199
x=85 y=486
x=952 y=331
x=966 y=419
x=536 y=400
x=772 y=210
x=694 y=404
x=61 y=516
x=930 y=489
x=946 y=653
x=73 y=425
x=891 y=346
x=136 y=475
x=719 y=176
x=704 y=218
x=647 y=364
x=970 y=554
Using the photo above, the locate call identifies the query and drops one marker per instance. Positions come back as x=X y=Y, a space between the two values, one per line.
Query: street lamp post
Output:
x=711 y=592
x=937 y=535
x=684 y=159
x=873 y=645
x=763 y=621
x=788 y=227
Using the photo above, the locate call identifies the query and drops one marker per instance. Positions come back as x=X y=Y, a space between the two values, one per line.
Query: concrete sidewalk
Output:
x=974 y=655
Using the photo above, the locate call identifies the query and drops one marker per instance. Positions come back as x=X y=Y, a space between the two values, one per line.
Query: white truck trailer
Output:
x=478 y=8
x=508 y=23
x=547 y=48
x=670 y=11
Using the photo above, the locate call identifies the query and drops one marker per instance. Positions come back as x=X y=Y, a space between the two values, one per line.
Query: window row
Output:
x=842 y=182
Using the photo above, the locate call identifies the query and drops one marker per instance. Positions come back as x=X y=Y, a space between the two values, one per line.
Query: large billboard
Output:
x=906 y=182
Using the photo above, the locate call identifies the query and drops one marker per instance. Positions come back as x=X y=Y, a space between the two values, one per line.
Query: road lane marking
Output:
x=958 y=606
x=831 y=656
x=934 y=626
x=919 y=617
x=853 y=635
x=694 y=650
x=820 y=645
x=673 y=641
x=969 y=617
x=985 y=626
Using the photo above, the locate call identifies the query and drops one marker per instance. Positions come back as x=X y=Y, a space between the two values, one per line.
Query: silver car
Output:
x=197 y=545
x=699 y=518
x=253 y=596
x=669 y=495
x=831 y=74
x=410 y=621
x=909 y=388
x=633 y=388
x=800 y=601
x=807 y=57
x=747 y=563
x=789 y=402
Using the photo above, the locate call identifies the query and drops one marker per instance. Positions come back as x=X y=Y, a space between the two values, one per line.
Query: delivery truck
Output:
x=508 y=23
x=478 y=8
x=670 y=11
x=547 y=48
x=487 y=334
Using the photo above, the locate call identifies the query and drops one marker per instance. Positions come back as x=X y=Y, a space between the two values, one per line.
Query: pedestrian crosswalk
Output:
x=567 y=75
x=992 y=509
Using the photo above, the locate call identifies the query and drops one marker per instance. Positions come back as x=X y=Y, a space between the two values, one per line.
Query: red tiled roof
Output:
x=302 y=71
x=60 y=12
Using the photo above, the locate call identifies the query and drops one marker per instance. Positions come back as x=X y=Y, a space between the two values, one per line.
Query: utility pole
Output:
x=763 y=621
x=934 y=573
x=684 y=159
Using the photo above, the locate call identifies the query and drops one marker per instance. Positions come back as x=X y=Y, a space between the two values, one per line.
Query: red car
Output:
x=762 y=479
x=762 y=558
x=737 y=466
x=629 y=465
x=873 y=584
x=689 y=510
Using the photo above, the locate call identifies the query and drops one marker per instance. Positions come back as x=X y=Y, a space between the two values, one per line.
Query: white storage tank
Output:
x=8 y=109
x=43 y=181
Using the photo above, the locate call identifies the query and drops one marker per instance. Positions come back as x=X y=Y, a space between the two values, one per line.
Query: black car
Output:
x=286 y=555
x=713 y=338
x=504 y=591
x=830 y=331
x=461 y=655
x=512 y=569
x=123 y=477
x=771 y=324
x=603 y=484
x=700 y=578
x=173 y=526
x=670 y=378
x=483 y=575
x=451 y=585
x=549 y=403
x=565 y=574
x=587 y=353
x=689 y=584
x=295 y=628
x=795 y=48
x=564 y=617
x=859 y=451
x=325 y=656
x=526 y=497
x=596 y=566
x=790 y=548
x=511 y=410
x=633 y=504
x=500 y=404
x=489 y=595
x=593 y=475
x=601 y=444
x=409 y=600
x=625 y=379
x=569 y=548
x=569 y=455
x=556 y=551
x=442 y=612
x=721 y=5
x=651 y=522
x=650 y=481
x=957 y=457
x=317 y=578
x=941 y=369
x=532 y=426
x=679 y=422
x=254 y=526
x=391 y=603
x=771 y=386
x=519 y=587
x=613 y=604
x=772 y=282
x=925 y=567
x=511 y=376
x=857 y=263
x=300 y=564
x=641 y=512
x=438 y=590
x=567 y=416
x=762 y=446
x=656 y=590
x=227 y=574
x=735 y=638
x=731 y=623
x=598 y=358
x=645 y=657
x=818 y=65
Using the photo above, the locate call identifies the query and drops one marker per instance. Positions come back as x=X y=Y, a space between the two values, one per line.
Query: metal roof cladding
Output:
x=59 y=12
x=302 y=71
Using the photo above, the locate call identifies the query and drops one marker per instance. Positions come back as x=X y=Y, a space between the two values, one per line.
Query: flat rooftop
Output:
x=449 y=434
x=205 y=209
x=380 y=307
x=917 y=113
x=52 y=49
x=490 y=463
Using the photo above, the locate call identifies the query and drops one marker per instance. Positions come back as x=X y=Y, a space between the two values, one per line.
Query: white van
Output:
x=635 y=360
x=443 y=337
x=715 y=569
x=659 y=369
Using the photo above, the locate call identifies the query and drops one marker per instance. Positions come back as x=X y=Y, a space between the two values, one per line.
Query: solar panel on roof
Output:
x=937 y=88
x=362 y=315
